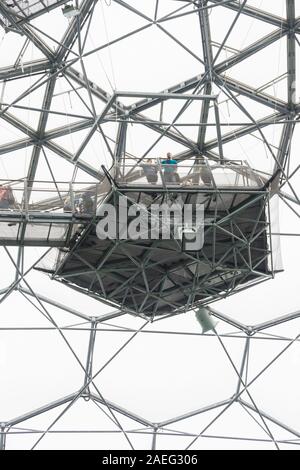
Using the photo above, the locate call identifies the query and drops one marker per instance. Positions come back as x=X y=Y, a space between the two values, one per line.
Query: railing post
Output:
x=71 y=198
x=2 y=436
x=26 y=202
x=97 y=190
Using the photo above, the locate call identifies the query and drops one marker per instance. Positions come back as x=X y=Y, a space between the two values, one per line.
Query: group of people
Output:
x=169 y=167
x=169 y=172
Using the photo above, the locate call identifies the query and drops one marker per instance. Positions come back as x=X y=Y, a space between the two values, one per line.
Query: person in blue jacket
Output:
x=170 y=169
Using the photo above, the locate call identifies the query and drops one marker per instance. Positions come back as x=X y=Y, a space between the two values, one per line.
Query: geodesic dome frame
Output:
x=60 y=122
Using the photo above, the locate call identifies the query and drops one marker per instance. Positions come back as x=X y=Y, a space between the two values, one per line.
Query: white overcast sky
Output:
x=157 y=376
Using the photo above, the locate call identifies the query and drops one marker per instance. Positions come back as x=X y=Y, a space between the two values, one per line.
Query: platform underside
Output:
x=156 y=277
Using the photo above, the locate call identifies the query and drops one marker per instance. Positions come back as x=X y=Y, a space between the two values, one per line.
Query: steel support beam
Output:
x=250 y=92
x=28 y=31
x=41 y=128
x=256 y=13
x=276 y=321
x=121 y=410
x=269 y=418
x=19 y=19
x=245 y=130
x=74 y=29
x=55 y=304
x=42 y=409
x=28 y=68
x=208 y=60
x=193 y=413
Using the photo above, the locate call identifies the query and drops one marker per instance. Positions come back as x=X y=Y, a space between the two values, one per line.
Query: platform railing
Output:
x=23 y=196
x=228 y=174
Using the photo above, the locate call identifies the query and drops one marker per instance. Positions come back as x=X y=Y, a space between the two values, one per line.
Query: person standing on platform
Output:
x=150 y=171
x=170 y=169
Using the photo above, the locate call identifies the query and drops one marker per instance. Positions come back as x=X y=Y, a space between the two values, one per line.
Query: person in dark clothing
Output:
x=83 y=204
x=150 y=171
x=87 y=203
x=76 y=204
x=201 y=172
x=205 y=173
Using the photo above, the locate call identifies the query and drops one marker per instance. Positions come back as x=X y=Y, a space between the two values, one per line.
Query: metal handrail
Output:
x=240 y=168
x=26 y=196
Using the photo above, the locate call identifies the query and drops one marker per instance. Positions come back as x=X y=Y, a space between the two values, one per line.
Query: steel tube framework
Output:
x=65 y=61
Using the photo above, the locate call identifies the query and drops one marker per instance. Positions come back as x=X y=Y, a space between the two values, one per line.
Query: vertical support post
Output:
x=2 y=436
x=161 y=113
x=205 y=36
x=243 y=365
x=120 y=148
x=289 y=127
x=270 y=234
x=90 y=354
x=26 y=202
x=208 y=60
x=291 y=51
x=97 y=192
x=219 y=133
x=20 y=262
x=154 y=438
x=71 y=198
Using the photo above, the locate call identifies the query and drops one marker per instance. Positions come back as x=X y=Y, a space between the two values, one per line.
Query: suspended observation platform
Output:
x=154 y=263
